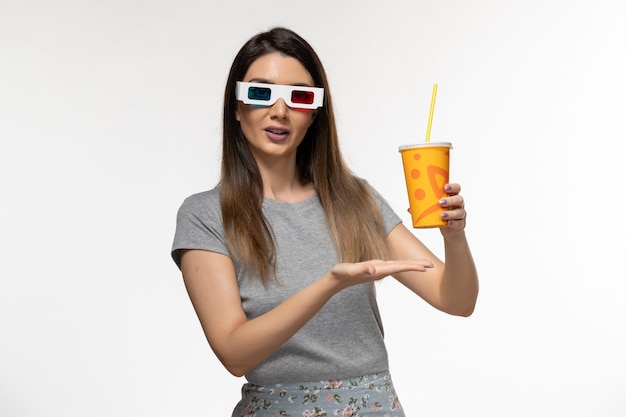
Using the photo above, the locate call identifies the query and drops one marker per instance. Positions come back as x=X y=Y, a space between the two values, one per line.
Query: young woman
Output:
x=280 y=258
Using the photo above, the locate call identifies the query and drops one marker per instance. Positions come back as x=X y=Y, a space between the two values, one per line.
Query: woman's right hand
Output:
x=347 y=274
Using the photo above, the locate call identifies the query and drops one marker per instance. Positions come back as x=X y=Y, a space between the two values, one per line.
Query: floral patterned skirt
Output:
x=364 y=396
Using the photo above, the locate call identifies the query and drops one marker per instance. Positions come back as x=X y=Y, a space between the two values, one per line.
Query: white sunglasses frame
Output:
x=279 y=91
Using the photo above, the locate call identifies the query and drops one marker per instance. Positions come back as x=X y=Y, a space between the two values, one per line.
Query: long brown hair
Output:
x=352 y=214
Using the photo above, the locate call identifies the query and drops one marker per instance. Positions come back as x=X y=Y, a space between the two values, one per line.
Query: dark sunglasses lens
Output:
x=302 y=97
x=259 y=93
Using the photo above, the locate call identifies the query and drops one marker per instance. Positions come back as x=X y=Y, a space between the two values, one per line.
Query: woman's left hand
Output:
x=455 y=213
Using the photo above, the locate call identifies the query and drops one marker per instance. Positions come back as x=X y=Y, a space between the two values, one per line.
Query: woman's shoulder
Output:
x=370 y=188
x=208 y=196
x=208 y=200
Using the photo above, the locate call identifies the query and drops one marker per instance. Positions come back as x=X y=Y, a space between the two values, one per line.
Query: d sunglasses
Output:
x=295 y=96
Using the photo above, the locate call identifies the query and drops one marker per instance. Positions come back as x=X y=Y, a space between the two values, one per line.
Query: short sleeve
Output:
x=199 y=226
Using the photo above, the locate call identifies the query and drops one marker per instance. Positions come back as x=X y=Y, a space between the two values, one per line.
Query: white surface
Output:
x=110 y=116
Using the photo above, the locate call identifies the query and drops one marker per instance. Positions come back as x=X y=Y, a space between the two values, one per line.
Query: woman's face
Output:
x=274 y=132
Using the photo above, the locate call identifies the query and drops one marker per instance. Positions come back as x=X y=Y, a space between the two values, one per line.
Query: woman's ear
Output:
x=237 y=115
x=313 y=116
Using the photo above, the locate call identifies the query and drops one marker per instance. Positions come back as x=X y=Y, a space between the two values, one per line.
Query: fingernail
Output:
x=447 y=188
x=444 y=215
x=442 y=201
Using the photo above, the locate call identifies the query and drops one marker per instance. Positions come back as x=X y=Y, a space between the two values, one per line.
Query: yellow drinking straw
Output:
x=432 y=110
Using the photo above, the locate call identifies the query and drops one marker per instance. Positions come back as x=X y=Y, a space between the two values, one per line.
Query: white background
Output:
x=110 y=116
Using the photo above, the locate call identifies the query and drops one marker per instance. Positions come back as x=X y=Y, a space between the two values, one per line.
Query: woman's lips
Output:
x=276 y=133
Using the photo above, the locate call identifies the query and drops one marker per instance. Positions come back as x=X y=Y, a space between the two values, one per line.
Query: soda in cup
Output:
x=426 y=171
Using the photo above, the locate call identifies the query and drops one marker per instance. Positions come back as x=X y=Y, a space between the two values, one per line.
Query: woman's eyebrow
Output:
x=260 y=80
x=265 y=81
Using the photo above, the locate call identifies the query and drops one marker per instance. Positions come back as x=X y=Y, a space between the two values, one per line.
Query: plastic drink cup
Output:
x=426 y=171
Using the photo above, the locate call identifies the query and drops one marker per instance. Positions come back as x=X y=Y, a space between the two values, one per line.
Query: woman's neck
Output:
x=283 y=183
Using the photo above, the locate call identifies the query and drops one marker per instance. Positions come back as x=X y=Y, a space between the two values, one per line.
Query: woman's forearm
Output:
x=249 y=343
x=459 y=287
x=254 y=340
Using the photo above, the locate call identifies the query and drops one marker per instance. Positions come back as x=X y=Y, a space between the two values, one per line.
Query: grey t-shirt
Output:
x=345 y=338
